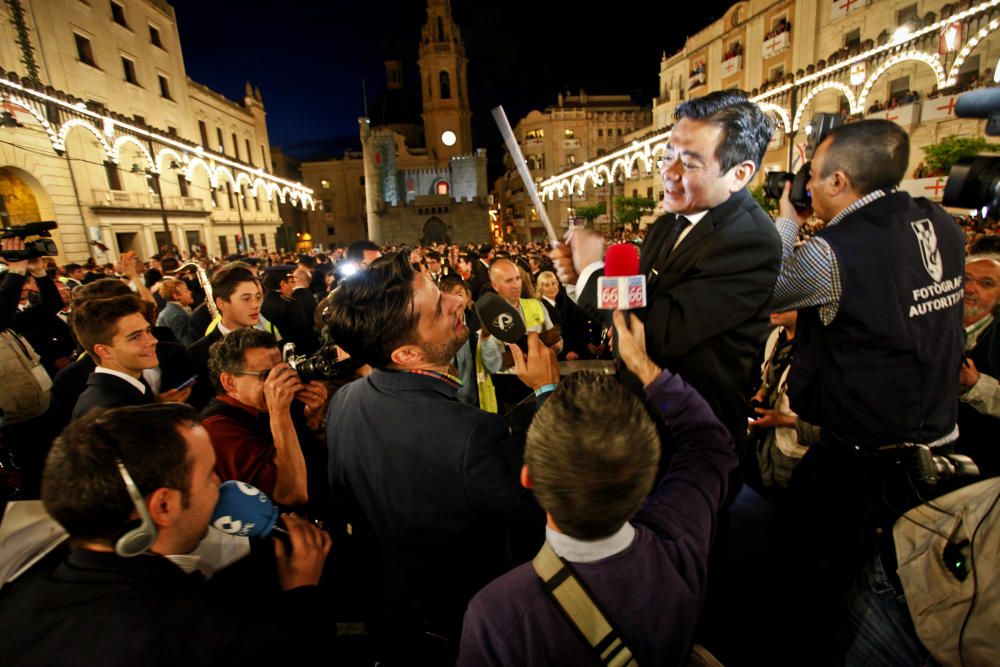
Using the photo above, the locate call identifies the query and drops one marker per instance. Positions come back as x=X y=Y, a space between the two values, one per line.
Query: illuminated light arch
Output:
x=305 y=199
x=646 y=162
x=283 y=194
x=932 y=61
x=624 y=166
x=780 y=112
x=273 y=191
x=596 y=175
x=560 y=188
x=79 y=122
x=967 y=49
x=229 y=177
x=195 y=163
x=129 y=139
x=577 y=183
x=243 y=177
x=658 y=148
x=38 y=116
x=165 y=152
x=816 y=91
x=258 y=183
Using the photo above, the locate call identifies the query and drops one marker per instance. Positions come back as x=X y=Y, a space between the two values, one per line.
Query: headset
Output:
x=139 y=539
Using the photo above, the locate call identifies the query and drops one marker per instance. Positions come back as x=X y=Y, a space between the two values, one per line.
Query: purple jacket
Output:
x=653 y=590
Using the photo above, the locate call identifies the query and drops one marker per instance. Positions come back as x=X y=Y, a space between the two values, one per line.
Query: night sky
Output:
x=309 y=57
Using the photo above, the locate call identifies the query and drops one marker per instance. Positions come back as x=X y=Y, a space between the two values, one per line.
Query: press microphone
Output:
x=621 y=287
x=500 y=318
x=244 y=510
x=984 y=103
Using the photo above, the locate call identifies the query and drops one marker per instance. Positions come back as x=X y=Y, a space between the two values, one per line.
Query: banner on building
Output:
x=858 y=73
x=842 y=8
x=905 y=115
x=932 y=188
x=939 y=108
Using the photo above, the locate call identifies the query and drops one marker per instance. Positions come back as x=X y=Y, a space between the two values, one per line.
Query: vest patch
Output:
x=929 y=252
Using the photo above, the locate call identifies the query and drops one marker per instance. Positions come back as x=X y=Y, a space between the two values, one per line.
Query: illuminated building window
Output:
x=441 y=187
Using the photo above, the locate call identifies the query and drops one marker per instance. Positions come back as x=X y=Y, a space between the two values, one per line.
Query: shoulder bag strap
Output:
x=571 y=596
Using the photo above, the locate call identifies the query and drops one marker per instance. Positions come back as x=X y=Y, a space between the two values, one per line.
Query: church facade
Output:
x=417 y=177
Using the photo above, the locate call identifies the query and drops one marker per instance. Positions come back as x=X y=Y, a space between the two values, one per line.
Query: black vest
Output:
x=886 y=369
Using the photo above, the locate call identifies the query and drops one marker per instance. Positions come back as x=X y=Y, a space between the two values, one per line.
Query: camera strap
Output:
x=570 y=594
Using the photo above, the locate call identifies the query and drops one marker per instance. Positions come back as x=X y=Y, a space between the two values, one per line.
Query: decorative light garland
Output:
x=284 y=187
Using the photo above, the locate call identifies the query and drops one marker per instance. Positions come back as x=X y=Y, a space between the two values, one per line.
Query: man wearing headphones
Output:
x=134 y=487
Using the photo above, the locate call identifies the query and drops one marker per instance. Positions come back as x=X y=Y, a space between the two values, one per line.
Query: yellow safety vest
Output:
x=534 y=315
x=263 y=325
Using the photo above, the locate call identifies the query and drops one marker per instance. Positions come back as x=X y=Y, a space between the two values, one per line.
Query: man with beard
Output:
x=433 y=480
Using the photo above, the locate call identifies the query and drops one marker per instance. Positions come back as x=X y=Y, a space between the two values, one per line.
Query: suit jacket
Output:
x=291 y=321
x=708 y=303
x=198 y=351
x=71 y=382
x=108 y=391
x=436 y=480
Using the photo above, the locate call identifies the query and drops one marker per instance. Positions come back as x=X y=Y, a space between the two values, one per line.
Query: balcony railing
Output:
x=776 y=44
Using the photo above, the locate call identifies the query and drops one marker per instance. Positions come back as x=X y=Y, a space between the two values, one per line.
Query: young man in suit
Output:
x=711 y=262
x=120 y=341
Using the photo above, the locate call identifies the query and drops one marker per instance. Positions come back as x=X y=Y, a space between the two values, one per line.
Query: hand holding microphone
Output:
x=621 y=287
x=631 y=334
x=246 y=511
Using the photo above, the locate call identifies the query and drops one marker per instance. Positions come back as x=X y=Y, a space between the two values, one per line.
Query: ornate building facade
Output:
x=901 y=60
x=103 y=132
x=417 y=177
x=574 y=130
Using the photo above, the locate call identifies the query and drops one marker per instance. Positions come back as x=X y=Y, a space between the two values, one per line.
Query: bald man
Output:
x=503 y=390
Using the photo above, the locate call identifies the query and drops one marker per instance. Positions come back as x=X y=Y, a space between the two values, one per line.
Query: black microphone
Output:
x=500 y=318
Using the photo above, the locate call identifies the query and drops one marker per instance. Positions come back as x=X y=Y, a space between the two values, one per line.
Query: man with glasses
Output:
x=256 y=437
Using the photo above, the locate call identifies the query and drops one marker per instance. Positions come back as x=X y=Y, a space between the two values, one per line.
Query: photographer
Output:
x=879 y=294
x=31 y=318
x=253 y=431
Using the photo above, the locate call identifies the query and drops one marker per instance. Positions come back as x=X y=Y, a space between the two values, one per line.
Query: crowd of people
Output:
x=488 y=502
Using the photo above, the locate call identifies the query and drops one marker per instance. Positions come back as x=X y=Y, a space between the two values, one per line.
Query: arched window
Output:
x=440 y=29
x=441 y=188
x=445 y=86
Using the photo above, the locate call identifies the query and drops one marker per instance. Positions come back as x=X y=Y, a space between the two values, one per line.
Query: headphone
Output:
x=139 y=539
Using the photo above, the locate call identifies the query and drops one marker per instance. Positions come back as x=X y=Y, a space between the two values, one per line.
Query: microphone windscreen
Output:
x=978 y=103
x=244 y=510
x=621 y=259
x=500 y=318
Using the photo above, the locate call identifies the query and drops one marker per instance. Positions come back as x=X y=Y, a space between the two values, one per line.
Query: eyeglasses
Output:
x=985 y=283
x=260 y=375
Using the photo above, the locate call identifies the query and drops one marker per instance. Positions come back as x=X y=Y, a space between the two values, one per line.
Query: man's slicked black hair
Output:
x=746 y=129
x=372 y=313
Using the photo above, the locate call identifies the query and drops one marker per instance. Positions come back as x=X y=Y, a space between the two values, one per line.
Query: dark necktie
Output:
x=669 y=241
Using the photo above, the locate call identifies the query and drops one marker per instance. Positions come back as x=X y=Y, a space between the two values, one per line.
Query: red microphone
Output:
x=621 y=287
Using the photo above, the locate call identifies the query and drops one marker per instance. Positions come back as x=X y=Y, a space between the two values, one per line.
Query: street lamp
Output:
x=155 y=178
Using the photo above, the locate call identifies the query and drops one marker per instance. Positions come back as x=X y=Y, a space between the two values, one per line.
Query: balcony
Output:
x=123 y=199
x=776 y=44
x=731 y=66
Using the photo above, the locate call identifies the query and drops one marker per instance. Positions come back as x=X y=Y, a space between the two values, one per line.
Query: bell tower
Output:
x=444 y=86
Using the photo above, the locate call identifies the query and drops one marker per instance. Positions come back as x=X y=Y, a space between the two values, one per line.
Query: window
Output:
x=327 y=205
x=263 y=158
x=171 y=130
x=905 y=14
x=154 y=37
x=852 y=39
x=899 y=87
x=203 y=130
x=84 y=52
x=249 y=155
x=114 y=178
x=570 y=158
x=164 y=87
x=361 y=180
x=229 y=194
x=182 y=185
x=440 y=23
x=534 y=134
x=619 y=131
x=600 y=132
x=236 y=147
x=649 y=192
x=325 y=184
x=777 y=72
x=128 y=67
x=223 y=246
x=601 y=152
x=445 y=86
x=118 y=14
x=330 y=230
x=569 y=134
x=222 y=145
x=141 y=120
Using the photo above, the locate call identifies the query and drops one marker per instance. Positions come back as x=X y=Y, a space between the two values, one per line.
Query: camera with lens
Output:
x=42 y=247
x=774 y=182
x=923 y=465
x=974 y=182
x=322 y=365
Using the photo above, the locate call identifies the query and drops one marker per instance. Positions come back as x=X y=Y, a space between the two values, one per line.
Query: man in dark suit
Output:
x=281 y=308
x=436 y=480
x=120 y=341
x=711 y=262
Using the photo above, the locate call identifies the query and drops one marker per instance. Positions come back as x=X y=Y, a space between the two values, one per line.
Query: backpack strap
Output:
x=568 y=592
